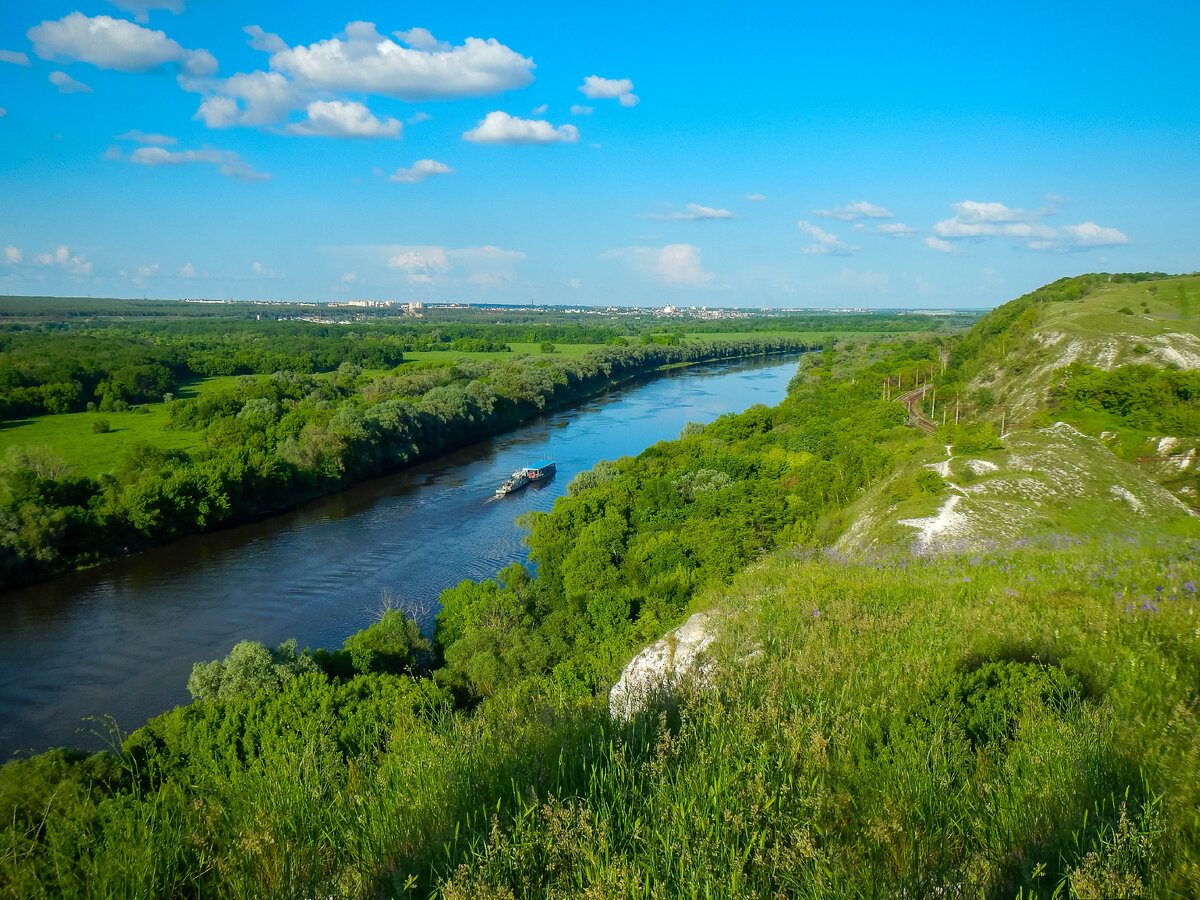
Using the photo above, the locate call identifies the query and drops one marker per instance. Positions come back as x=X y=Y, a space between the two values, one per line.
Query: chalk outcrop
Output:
x=677 y=655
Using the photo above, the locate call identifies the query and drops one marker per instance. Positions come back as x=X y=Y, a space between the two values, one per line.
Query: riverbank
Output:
x=280 y=441
x=120 y=638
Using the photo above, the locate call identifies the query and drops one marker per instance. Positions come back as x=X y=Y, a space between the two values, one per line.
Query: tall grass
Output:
x=1021 y=722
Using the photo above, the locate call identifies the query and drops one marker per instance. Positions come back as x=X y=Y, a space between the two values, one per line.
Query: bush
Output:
x=101 y=426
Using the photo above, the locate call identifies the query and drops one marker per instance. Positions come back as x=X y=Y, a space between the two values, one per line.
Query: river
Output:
x=119 y=640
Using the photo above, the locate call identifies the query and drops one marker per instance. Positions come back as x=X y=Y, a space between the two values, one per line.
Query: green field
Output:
x=70 y=435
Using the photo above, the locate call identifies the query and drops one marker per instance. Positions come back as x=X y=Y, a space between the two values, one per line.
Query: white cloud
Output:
x=14 y=57
x=421 y=169
x=62 y=258
x=935 y=243
x=3 y=112
x=574 y=284
x=254 y=98
x=537 y=111
x=68 y=85
x=109 y=43
x=363 y=60
x=418 y=117
x=141 y=8
x=419 y=259
x=142 y=137
x=620 y=89
x=226 y=161
x=756 y=198
x=974 y=219
x=264 y=40
x=258 y=270
x=337 y=118
x=188 y=271
x=147 y=271
x=973 y=211
x=488 y=266
x=12 y=254
x=859 y=209
x=349 y=277
x=501 y=128
x=577 y=110
x=672 y=264
x=693 y=213
x=827 y=244
x=1089 y=234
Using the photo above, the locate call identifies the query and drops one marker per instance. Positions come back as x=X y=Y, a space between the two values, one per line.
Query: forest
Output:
x=277 y=440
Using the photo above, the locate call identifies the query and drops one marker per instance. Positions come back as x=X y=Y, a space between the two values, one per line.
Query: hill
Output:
x=915 y=666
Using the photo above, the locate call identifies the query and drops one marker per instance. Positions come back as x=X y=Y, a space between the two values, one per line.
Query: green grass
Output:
x=70 y=435
x=1019 y=723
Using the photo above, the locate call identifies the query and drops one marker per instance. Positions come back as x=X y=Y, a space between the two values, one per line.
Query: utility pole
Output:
x=956 y=402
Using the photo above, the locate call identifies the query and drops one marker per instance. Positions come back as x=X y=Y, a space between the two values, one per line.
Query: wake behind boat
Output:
x=521 y=477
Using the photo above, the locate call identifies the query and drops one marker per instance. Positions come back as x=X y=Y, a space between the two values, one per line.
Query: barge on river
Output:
x=518 y=479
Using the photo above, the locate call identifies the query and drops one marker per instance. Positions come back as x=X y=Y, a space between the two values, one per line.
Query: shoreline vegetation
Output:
x=274 y=442
x=1017 y=720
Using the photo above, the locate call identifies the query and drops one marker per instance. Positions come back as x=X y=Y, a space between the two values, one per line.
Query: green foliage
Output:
x=1137 y=396
x=268 y=443
x=250 y=668
x=974 y=437
x=634 y=541
x=929 y=482
x=101 y=426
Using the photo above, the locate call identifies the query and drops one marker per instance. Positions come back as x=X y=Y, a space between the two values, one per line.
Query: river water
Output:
x=119 y=640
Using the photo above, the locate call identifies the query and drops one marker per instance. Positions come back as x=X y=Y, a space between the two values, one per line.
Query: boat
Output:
x=521 y=477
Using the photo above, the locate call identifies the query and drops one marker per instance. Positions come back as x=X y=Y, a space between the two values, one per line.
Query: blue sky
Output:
x=751 y=154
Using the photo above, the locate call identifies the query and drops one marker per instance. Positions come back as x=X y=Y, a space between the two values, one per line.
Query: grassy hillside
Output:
x=987 y=687
x=1015 y=350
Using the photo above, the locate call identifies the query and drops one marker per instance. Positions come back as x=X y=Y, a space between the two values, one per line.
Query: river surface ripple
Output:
x=120 y=639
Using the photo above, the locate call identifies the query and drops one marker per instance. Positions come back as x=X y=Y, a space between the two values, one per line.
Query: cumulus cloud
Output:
x=756 y=198
x=253 y=98
x=826 y=244
x=859 y=209
x=142 y=137
x=141 y=8
x=226 y=161
x=577 y=110
x=426 y=69
x=673 y=264
x=488 y=266
x=620 y=89
x=501 y=128
x=14 y=57
x=936 y=243
x=974 y=219
x=539 y=110
x=694 y=212
x=414 y=66
x=420 y=170
x=264 y=40
x=188 y=271
x=12 y=255
x=68 y=85
x=109 y=43
x=62 y=258
x=337 y=118
x=1089 y=234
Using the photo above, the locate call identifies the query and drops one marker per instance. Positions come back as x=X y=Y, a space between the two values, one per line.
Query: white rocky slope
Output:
x=1044 y=480
x=677 y=655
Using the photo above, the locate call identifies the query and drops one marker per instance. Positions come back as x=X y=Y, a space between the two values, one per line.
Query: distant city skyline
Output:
x=932 y=155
